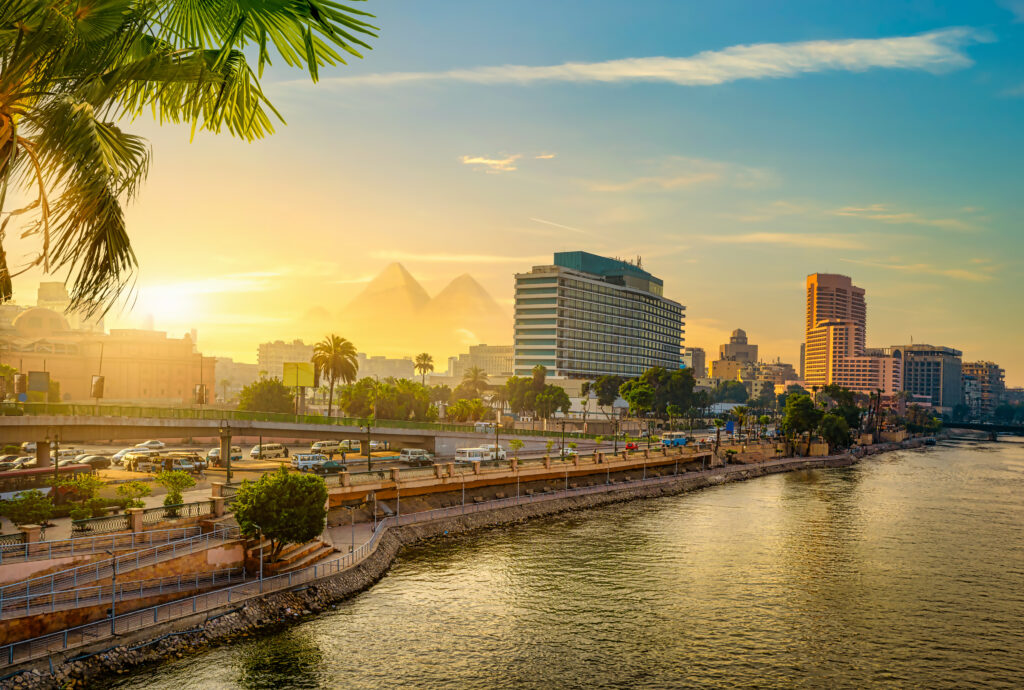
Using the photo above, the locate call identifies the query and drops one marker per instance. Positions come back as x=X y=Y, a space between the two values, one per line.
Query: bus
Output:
x=13 y=483
x=673 y=438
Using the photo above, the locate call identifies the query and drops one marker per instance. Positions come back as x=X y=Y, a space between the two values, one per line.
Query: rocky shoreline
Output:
x=194 y=634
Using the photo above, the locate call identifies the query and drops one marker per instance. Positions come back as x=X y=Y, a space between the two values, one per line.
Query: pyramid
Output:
x=466 y=314
x=393 y=290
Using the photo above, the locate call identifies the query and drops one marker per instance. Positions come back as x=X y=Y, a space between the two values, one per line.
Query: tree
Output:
x=224 y=385
x=289 y=508
x=1003 y=413
x=552 y=399
x=639 y=397
x=607 y=389
x=763 y=420
x=539 y=375
x=31 y=507
x=441 y=394
x=334 y=358
x=134 y=491
x=740 y=412
x=834 y=429
x=266 y=395
x=175 y=481
x=730 y=391
x=719 y=423
x=800 y=416
x=475 y=379
x=674 y=412
x=424 y=363
x=516 y=445
x=73 y=70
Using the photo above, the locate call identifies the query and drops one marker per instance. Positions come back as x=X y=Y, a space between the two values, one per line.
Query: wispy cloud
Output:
x=885 y=214
x=457 y=258
x=1013 y=91
x=679 y=172
x=558 y=225
x=935 y=51
x=544 y=156
x=927 y=269
x=495 y=165
x=771 y=211
x=1016 y=7
x=787 y=238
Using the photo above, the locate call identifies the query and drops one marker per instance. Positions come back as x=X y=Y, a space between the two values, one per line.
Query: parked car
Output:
x=331 y=467
x=28 y=447
x=632 y=446
x=68 y=461
x=308 y=462
x=117 y=457
x=140 y=460
x=9 y=458
x=187 y=461
x=416 y=457
x=97 y=462
x=69 y=453
x=214 y=455
x=350 y=444
x=328 y=446
x=152 y=445
x=379 y=445
x=269 y=451
x=10 y=465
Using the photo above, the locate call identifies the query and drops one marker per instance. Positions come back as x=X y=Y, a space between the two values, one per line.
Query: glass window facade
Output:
x=612 y=321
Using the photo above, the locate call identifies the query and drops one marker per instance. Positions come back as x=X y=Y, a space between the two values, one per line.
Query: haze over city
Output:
x=733 y=147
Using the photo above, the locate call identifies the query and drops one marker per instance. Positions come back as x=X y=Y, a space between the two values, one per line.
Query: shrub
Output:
x=131 y=494
x=79 y=513
x=30 y=508
x=175 y=482
x=288 y=508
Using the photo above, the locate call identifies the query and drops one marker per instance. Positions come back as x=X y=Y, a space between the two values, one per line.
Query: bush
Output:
x=131 y=494
x=79 y=513
x=97 y=507
x=11 y=449
x=174 y=481
x=30 y=508
x=288 y=508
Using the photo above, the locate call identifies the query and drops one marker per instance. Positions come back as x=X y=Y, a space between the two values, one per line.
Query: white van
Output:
x=269 y=451
x=416 y=456
x=308 y=462
x=326 y=447
x=350 y=445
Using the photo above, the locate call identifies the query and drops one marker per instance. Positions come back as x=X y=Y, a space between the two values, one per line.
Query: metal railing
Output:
x=35 y=604
x=215 y=415
x=100 y=570
x=105 y=523
x=11 y=543
x=85 y=545
x=151 y=516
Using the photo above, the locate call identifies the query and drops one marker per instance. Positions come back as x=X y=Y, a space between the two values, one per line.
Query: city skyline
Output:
x=866 y=121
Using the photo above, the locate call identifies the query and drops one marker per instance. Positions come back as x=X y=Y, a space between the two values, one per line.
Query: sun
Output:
x=168 y=304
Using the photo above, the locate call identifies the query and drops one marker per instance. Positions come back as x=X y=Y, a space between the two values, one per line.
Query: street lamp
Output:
x=225 y=446
x=113 y=592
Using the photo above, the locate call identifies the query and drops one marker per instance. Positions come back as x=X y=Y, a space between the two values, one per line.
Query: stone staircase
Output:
x=292 y=556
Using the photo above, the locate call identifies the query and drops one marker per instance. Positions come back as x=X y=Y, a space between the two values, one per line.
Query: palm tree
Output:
x=424 y=363
x=335 y=359
x=224 y=384
x=71 y=71
x=475 y=378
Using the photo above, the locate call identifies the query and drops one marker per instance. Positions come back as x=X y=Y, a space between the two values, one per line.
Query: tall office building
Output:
x=989 y=384
x=835 y=335
x=738 y=349
x=494 y=360
x=933 y=372
x=586 y=315
x=271 y=357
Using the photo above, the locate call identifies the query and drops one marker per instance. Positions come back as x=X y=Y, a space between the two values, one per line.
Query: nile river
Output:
x=905 y=570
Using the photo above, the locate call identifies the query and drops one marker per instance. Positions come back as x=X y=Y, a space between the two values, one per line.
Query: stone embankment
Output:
x=190 y=635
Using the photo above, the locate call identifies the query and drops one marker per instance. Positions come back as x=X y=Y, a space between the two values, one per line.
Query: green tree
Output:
x=740 y=413
x=73 y=70
x=539 y=375
x=674 y=412
x=800 y=416
x=289 y=508
x=639 y=397
x=730 y=391
x=84 y=486
x=834 y=429
x=548 y=446
x=424 y=363
x=334 y=359
x=516 y=445
x=551 y=400
x=175 y=481
x=607 y=389
x=31 y=507
x=134 y=491
x=441 y=394
x=475 y=379
x=763 y=420
x=266 y=395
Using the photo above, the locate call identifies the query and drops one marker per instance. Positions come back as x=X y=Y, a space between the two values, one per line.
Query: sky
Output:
x=735 y=146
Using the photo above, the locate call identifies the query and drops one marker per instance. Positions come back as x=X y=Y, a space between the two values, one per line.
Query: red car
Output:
x=632 y=446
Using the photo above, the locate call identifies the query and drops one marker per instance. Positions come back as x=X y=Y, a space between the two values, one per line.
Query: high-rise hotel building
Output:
x=835 y=336
x=585 y=316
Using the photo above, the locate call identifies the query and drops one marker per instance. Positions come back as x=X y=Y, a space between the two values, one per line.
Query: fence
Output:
x=215 y=415
x=100 y=570
x=14 y=607
x=152 y=516
x=26 y=650
x=106 y=523
x=94 y=544
x=11 y=543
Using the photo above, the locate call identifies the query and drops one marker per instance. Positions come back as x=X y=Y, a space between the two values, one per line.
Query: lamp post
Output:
x=260 y=533
x=224 y=429
x=562 y=451
x=113 y=592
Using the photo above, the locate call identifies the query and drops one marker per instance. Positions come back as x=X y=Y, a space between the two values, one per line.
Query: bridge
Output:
x=83 y=423
x=991 y=429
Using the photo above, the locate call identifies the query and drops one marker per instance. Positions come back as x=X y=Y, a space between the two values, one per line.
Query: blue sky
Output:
x=888 y=148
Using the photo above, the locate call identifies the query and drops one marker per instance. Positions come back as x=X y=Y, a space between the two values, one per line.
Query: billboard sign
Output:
x=298 y=374
x=39 y=381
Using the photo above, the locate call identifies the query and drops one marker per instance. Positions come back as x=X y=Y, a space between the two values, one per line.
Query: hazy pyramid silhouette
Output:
x=465 y=311
x=394 y=293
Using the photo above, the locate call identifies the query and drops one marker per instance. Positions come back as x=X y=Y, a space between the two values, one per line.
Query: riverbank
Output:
x=187 y=636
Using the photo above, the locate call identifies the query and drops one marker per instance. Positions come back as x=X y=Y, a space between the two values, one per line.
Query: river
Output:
x=904 y=570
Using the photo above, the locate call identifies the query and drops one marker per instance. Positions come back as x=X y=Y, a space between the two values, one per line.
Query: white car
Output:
x=28 y=447
x=152 y=445
x=326 y=446
x=214 y=455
